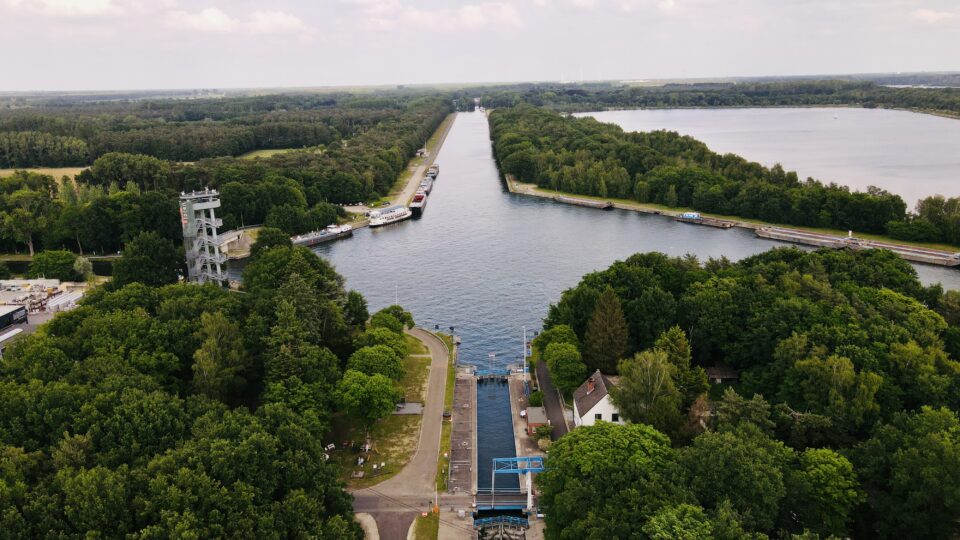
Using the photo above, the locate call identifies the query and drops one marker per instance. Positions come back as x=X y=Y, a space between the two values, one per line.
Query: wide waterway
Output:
x=489 y=262
x=910 y=154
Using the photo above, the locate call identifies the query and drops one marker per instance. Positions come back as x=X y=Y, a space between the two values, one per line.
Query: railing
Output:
x=510 y=521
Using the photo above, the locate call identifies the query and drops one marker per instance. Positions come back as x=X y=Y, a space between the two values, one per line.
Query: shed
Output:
x=536 y=417
x=722 y=373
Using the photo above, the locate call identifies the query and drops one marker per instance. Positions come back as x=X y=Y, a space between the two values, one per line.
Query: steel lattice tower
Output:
x=200 y=241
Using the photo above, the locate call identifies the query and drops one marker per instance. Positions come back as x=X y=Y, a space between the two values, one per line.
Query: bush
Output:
x=536 y=399
x=4 y=270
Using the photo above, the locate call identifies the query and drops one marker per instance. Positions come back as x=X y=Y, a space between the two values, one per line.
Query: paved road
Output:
x=394 y=503
x=551 y=401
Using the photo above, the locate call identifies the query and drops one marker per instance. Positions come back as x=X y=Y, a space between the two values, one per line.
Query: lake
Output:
x=910 y=154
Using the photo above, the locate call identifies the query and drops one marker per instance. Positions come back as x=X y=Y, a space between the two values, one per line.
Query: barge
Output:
x=602 y=205
x=697 y=219
x=394 y=214
x=426 y=185
x=910 y=253
x=418 y=204
x=434 y=171
x=313 y=238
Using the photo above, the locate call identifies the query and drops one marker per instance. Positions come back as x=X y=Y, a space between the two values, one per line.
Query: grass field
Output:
x=55 y=172
x=427 y=528
x=254 y=154
x=394 y=438
x=447 y=424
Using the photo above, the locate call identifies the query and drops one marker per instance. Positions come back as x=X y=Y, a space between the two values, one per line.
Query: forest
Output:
x=584 y=156
x=161 y=410
x=842 y=422
x=122 y=194
x=747 y=93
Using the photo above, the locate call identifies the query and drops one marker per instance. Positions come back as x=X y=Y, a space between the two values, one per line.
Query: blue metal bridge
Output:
x=510 y=499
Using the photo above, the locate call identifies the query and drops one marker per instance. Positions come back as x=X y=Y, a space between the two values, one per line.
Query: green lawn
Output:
x=427 y=528
x=667 y=210
x=265 y=153
x=415 y=346
x=55 y=172
x=394 y=438
x=394 y=441
x=415 y=379
x=447 y=426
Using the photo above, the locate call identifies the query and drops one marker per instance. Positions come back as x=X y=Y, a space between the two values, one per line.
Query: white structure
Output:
x=200 y=241
x=591 y=402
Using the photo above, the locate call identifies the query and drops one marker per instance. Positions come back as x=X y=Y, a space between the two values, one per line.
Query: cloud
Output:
x=67 y=8
x=930 y=16
x=210 y=20
x=389 y=14
x=215 y=21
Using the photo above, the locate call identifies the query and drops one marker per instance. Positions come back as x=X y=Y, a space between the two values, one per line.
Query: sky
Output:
x=160 y=44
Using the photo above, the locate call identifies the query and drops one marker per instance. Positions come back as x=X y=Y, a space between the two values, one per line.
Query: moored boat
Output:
x=426 y=185
x=390 y=215
x=434 y=171
x=332 y=232
x=418 y=204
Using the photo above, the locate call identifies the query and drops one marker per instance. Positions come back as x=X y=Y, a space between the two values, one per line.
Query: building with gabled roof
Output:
x=591 y=401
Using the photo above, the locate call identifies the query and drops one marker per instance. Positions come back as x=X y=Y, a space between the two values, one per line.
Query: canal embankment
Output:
x=924 y=253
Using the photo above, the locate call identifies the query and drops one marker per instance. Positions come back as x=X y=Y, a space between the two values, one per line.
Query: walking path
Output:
x=551 y=401
x=396 y=502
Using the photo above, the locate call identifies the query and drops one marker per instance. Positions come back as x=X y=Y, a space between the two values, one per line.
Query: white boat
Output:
x=389 y=215
x=332 y=232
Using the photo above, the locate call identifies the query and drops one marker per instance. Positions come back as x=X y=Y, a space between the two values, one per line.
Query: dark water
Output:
x=912 y=155
x=488 y=262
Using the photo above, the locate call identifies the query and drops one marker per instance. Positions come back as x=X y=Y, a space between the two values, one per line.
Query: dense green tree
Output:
x=822 y=492
x=911 y=471
x=606 y=481
x=220 y=364
x=691 y=381
x=377 y=359
x=148 y=259
x=269 y=237
x=646 y=393
x=567 y=370
x=54 y=265
x=367 y=398
x=681 y=522
x=382 y=336
x=355 y=309
x=605 y=340
x=560 y=333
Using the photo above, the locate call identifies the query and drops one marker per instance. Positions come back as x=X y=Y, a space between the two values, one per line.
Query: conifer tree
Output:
x=605 y=341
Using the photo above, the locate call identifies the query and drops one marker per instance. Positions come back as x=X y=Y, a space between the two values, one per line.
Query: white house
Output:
x=591 y=402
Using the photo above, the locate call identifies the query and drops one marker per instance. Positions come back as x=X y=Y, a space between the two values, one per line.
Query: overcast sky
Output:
x=133 y=44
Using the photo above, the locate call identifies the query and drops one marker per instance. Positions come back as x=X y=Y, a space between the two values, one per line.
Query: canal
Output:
x=488 y=262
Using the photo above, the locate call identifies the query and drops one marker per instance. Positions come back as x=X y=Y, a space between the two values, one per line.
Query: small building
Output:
x=591 y=402
x=11 y=315
x=722 y=373
x=536 y=417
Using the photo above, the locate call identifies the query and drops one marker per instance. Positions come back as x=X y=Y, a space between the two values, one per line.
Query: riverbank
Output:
x=533 y=190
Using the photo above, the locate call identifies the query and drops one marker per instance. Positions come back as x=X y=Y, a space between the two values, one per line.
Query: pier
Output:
x=602 y=205
x=463 y=436
x=910 y=253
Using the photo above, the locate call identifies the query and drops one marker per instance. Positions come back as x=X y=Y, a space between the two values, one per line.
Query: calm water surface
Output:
x=913 y=155
x=488 y=262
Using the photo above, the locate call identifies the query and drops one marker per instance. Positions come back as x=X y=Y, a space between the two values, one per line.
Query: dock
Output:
x=602 y=205
x=708 y=221
x=462 y=478
x=910 y=253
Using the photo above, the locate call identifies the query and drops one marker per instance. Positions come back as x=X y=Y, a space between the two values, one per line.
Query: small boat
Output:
x=434 y=171
x=332 y=232
x=426 y=185
x=419 y=204
x=378 y=218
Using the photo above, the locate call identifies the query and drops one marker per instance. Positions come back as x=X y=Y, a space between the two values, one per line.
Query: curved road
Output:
x=394 y=503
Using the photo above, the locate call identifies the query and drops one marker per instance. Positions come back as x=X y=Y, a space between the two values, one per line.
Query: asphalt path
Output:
x=551 y=401
x=394 y=503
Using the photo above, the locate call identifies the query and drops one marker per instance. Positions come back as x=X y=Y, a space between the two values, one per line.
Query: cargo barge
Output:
x=697 y=219
x=313 y=238
x=434 y=171
x=910 y=253
x=418 y=204
x=602 y=205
